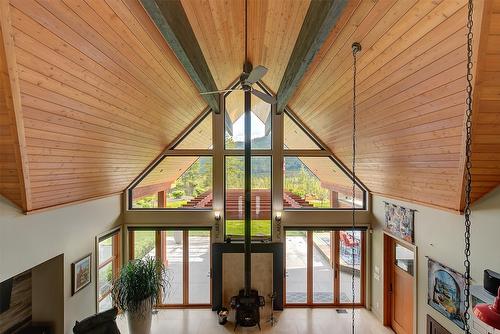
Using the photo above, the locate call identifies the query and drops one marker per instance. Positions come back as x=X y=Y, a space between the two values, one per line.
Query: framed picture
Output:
x=446 y=292
x=399 y=222
x=81 y=273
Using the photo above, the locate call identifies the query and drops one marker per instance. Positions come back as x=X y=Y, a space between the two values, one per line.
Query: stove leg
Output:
x=235 y=326
x=258 y=324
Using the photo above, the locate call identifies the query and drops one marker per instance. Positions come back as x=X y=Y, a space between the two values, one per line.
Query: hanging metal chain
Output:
x=356 y=47
x=468 y=166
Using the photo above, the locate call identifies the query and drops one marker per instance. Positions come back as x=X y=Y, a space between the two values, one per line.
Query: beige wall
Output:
x=440 y=234
x=28 y=240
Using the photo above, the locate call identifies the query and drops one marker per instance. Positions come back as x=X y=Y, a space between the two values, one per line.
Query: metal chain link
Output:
x=468 y=166
x=356 y=47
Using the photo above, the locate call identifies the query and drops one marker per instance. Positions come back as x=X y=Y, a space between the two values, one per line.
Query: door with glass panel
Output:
x=186 y=256
x=320 y=266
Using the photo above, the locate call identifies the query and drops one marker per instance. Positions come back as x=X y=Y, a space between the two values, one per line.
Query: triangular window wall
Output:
x=200 y=136
x=295 y=138
x=175 y=182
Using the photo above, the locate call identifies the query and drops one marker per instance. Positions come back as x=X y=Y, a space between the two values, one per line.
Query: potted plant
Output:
x=140 y=284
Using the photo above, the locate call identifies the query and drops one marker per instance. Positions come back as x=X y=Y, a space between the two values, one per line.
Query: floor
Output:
x=290 y=321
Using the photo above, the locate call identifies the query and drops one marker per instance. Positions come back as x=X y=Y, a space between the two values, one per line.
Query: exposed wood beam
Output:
x=172 y=22
x=321 y=17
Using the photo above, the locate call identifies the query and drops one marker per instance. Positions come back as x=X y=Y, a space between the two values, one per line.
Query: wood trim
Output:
x=336 y=258
x=320 y=19
x=14 y=105
x=131 y=246
x=387 y=280
x=310 y=263
x=72 y=203
x=172 y=22
x=185 y=266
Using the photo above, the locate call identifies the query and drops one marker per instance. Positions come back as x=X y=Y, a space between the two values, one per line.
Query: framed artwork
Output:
x=399 y=222
x=446 y=292
x=81 y=273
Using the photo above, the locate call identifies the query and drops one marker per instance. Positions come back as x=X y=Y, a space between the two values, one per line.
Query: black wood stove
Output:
x=248 y=301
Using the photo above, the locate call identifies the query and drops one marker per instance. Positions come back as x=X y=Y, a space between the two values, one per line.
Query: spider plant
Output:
x=140 y=285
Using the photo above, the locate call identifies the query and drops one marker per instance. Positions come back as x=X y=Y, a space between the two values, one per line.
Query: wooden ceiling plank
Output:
x=321 y=17
x=171 y=20
x=81 y=45
x=10 y=85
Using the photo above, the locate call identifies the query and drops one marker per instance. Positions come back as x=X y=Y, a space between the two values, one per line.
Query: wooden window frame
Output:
x=160 y=244
x=335 y=249
x=115 y=259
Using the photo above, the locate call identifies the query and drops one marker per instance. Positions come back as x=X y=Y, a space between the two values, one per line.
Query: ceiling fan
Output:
x=246 y=82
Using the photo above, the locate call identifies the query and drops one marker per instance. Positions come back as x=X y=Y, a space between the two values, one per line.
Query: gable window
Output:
x=235 y=123
x=235 y=197
x=176 y=182
x=318 y=183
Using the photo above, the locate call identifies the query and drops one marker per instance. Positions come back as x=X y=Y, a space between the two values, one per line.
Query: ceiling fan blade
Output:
x=256 y=74
x=219 y=91
x=264 y=97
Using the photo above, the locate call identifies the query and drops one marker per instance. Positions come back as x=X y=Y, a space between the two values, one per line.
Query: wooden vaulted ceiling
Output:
x=93 y=93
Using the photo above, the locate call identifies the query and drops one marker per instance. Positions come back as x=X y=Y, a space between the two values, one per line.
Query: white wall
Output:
x=440 y=235
x=28 y=240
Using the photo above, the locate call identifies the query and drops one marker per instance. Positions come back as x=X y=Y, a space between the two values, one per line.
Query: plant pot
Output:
x=139 y=322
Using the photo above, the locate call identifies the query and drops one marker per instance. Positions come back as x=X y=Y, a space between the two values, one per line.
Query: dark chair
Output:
x=100 y=323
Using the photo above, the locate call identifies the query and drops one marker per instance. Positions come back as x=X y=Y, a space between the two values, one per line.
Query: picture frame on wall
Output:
x=399 y=222
x=445 y=292
x=81 y=273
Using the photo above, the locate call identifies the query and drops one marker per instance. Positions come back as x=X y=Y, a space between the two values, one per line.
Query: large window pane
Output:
x=295 y=138
x=177 y=182
x=173 y=259
x=317 y=182
x=235 y=122
x=235 y=196
x=323 y=264
x=199 y=267
x=144 y=244
x=296 y=267
x=200 y=137
x=350 y=247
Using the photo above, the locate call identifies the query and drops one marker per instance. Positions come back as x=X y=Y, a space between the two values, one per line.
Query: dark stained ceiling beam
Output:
x=170 y=18
x=321 y=17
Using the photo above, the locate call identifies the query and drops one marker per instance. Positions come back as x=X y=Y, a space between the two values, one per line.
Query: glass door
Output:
x=186 y=256
x=199 y=267
x=319 y=267
x=296 y=267
x=323 y=263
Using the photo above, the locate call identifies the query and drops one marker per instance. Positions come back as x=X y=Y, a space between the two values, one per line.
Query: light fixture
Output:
x=489 y=314
x=217 y=215
x=278 y=216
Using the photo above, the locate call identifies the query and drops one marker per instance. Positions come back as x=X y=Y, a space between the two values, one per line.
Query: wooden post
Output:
x=334 y=199
x=162 y=199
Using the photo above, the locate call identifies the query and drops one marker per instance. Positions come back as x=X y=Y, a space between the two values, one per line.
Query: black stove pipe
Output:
x=248 y=193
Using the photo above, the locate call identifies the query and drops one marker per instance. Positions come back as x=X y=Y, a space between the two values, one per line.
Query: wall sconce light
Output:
x=278 y=216
x=217 y=215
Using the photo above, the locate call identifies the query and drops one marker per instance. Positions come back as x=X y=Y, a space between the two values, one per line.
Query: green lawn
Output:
x=259 y=228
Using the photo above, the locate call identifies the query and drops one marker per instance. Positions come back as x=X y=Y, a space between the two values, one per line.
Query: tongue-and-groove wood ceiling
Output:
x=97 y=93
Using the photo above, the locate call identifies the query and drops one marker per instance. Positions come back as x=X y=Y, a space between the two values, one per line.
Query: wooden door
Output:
x=402 y=282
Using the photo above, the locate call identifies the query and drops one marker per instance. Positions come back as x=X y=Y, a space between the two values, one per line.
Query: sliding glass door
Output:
x=186 y=255
x=319 y=267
